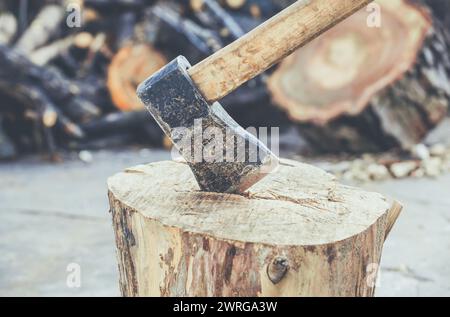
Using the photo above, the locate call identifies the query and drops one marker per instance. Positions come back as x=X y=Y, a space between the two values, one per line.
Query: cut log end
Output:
x=342 y=70
x=235 y=4
x=376 y=81
x=129 y=67
x=296 y=233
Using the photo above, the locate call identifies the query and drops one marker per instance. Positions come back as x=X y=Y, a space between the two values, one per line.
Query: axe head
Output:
x=222 y=155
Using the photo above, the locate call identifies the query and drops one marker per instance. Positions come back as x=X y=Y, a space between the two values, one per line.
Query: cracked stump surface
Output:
x=52 y=215
x=174 y=240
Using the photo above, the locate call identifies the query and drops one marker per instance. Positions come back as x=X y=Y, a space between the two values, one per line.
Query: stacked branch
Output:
x=53 y=80
x=74 y=88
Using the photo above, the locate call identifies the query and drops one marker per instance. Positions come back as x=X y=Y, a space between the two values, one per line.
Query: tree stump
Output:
x=358 y=88
x=296 y=233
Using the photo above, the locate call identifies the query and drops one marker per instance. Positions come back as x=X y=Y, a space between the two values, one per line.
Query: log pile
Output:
x=66 y=87
x=361 y=88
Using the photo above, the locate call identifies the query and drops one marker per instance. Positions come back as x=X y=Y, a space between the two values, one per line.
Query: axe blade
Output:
x=236 y=159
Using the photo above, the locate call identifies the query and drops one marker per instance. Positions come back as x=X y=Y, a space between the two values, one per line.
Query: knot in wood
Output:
x=277 y=269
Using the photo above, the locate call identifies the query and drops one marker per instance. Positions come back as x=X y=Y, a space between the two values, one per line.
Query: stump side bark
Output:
x=296 y=233
x=359 y=88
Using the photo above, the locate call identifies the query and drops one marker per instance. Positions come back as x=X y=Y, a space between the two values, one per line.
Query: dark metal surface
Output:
x=177 y=105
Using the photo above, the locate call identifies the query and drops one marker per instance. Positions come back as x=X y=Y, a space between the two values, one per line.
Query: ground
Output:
x=54 y=216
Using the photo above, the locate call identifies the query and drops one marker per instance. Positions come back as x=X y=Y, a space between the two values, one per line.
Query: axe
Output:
x=183 y=98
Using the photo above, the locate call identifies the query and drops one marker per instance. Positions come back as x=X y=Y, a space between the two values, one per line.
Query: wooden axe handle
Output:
x=255 y=52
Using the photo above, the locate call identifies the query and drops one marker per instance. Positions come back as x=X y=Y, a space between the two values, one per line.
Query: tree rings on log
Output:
x=360 y=87
x=298 y=232
x=128 y=68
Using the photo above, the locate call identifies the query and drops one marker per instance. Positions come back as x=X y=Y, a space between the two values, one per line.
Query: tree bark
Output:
x=358 y=88
x=296 y=233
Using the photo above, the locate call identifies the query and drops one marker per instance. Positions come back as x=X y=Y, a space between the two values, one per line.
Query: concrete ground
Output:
x=54 y=220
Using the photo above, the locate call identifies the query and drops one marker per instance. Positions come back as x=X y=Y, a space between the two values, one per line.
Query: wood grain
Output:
x=359 y=89
x=269 y=43
x=341 y=71
x=298 y=232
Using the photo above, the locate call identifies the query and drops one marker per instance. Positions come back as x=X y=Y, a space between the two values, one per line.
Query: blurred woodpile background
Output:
x=361 y=87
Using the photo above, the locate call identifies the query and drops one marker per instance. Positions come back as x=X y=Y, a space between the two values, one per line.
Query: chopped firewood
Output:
x=226 y=19
x=63 y=50
x=62 y=84
x=45 y=54
x=235 y=4
x=196 y=5
x=8 y=27
x=48 y=114
x=357 y=88
x=96 y=49
x=83 y=40
x=129 y=67
x=114 y=4
x=44 y=26
x=257 y=8
x=116 y=122
x=63 y=91
x=183 y=34
x=110 y=141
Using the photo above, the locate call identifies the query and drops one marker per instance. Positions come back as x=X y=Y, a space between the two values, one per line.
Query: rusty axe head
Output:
x=222 y=155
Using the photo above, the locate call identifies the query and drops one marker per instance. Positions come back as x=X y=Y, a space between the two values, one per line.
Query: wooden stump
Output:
x=358 y=88
x=296 y=233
